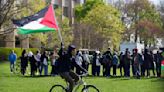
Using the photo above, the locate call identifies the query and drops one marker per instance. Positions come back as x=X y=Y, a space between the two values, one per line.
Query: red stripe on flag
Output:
x=49 y=18
x=162 y=62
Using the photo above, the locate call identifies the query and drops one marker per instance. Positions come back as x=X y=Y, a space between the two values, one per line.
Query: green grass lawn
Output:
x=16 y=83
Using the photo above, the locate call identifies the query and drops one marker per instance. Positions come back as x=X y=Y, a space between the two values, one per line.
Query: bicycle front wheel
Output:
x=90 y=88
x=57 y=88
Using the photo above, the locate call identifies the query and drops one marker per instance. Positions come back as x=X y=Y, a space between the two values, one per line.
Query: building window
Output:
x=17 y=41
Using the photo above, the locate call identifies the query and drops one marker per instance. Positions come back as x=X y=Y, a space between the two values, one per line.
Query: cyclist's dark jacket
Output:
x=66 y=61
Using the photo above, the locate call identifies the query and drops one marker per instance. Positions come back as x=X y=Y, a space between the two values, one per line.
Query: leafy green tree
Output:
x=106 y=20
x=161 y=9
x=82 y=10
x=143 y=11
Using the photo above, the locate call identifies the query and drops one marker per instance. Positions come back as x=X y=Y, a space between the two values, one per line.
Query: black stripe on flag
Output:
x=25 y=20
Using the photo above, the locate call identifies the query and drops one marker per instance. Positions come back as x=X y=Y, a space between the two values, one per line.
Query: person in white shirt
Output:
x=37 y=58
x=96 y=64
x=79 y=61
x=86 y=60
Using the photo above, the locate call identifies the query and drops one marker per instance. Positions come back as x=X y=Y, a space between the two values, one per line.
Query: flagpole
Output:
x=59 y=33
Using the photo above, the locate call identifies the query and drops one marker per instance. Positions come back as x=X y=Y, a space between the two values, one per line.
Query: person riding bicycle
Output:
x=65 y=63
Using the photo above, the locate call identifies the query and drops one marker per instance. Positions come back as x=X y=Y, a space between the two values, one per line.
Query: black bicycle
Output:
x=86 y=87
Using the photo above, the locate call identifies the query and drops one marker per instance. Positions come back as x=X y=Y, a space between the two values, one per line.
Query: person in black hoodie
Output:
x=152 y=62
x=147 y=62
x=24 y=62
x=127 y=61
x=32 y=63
x=107 y=59
x=158 y=59
x=121 y=66
x=65 y=63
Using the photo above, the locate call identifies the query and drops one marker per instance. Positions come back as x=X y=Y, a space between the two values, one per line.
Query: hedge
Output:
x=4 y=52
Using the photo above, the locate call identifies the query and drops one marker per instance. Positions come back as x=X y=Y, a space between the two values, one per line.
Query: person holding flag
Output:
x=65 y=63
x=45 y=21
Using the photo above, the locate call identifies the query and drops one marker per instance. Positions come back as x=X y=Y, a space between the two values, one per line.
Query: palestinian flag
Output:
x=42 y=21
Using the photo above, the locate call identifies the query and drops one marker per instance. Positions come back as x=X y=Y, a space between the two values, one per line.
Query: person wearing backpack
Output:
x=65 y=62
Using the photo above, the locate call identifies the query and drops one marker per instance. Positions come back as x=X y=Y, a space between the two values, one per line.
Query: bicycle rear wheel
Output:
x=90 y=88
x=57 y=88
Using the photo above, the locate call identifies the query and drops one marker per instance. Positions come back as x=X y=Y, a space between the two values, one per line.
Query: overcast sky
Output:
x=156 y=1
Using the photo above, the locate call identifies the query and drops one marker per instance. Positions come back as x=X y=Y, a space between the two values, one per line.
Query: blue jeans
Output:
x=137 y=70
x=12 y=67
x=98 y=70
x=127 y=70
x=45 y=69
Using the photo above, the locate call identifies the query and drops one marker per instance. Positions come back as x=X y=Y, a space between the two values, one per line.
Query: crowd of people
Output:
x=140 y=64
x=70 y=64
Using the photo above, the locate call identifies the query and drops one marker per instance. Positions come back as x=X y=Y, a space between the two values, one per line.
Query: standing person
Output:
x=103 y=62
x=115 y=63
x=86 y=60
x=24 y=62
x=152 y=62
x=65 y=62
x=98 y=64
x=12 y=58
x=147 y=62
x=127 y=60
x=142 y=65
x=158 y=59
x=121 y=65
x=132 y=61
x=38 y=63
x=44 y=60
x=94 y=64
x=32 y=63
x=137 y=59
x=79 y=61
x=107 y=58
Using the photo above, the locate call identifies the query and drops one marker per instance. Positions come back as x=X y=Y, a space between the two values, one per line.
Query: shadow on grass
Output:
x=119 y=78
x=37 y=76
x=159 y=80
